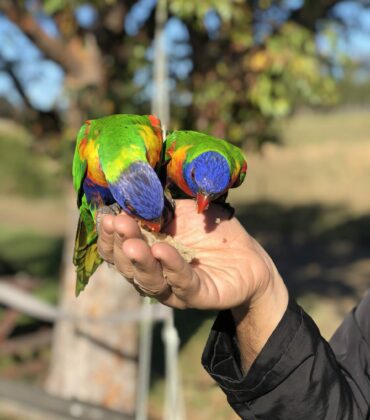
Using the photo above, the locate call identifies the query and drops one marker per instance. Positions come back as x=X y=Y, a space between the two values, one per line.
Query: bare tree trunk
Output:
x=95 y=363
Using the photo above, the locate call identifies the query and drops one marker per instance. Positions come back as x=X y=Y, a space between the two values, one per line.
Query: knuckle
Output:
x=105 y=254
x=124 y=267
x=125 y=272
x=118 y=241
x=159 y=292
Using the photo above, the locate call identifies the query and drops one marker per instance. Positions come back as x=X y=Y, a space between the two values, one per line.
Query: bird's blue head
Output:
x=208 y=176
x=139 y=192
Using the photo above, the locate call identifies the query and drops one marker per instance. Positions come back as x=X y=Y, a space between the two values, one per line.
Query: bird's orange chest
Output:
x=89 y=152
x=175 y=169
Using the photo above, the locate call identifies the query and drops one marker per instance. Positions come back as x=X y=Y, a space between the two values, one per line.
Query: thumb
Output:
x=180 y=275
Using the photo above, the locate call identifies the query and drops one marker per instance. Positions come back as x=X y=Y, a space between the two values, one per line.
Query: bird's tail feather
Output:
x=85 y=256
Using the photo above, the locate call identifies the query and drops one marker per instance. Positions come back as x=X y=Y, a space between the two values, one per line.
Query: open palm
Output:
x=229 y=268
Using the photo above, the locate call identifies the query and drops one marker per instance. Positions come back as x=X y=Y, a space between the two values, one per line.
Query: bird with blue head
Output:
x=203 y=166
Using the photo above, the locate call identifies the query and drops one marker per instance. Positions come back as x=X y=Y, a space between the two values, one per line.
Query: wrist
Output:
x=256 y=320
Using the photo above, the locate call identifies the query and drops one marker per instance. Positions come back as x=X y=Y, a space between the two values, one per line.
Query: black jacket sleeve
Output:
x=297 y=375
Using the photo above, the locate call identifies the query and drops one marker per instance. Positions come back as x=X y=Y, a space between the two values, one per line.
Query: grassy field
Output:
x=325 y=159
x=307 y=202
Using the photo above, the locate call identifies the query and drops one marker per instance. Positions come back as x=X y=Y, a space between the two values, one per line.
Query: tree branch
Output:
x=312 y=11
x=8 y=68
x=53 y=48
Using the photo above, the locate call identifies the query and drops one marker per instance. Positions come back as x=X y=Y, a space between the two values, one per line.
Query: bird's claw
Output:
x=230 y=209
x=169 y=207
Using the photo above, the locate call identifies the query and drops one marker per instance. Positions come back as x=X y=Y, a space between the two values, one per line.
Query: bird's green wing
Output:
x=124 y=139
x=79 y=164
x=85 y=254
x=119 y=147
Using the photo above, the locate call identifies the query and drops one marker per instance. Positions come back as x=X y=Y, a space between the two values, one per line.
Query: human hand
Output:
x=231 y=270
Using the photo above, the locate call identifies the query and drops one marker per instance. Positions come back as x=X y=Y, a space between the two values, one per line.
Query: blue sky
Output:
x=356 y=40
x=44 y=79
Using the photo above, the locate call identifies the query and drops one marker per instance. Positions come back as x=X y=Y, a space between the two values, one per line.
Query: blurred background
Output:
x=288 y=81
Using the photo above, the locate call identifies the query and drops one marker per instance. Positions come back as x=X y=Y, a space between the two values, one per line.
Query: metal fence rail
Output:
x=33 y=403
x=24 y=302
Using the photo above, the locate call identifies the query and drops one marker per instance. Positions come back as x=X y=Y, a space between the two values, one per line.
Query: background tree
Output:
x=260 y=57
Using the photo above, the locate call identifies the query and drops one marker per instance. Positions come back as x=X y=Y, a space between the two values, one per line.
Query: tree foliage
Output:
x=248 y=62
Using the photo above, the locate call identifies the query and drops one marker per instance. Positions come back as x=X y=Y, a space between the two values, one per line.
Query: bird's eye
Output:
x=192 y=174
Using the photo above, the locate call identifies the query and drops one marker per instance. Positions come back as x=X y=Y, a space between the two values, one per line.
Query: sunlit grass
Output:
x=326 y=160
x=25 y=172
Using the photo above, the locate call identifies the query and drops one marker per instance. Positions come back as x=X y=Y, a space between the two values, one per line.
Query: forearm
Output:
x=255 y=321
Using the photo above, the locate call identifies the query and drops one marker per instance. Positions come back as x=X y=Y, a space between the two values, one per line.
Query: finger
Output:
x=125 y=227
x=180 y=276
x=106 y=238
x=147 y=270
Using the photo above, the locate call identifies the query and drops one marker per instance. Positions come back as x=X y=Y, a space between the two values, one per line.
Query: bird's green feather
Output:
x=79 y=165
x=86 y=257
x=85 y=254
x=122 y=141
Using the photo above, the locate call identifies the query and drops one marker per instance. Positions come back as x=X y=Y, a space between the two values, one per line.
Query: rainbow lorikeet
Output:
x=114 y=165
x=203 y=166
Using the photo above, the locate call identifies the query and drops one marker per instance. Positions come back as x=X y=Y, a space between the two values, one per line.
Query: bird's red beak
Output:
x=202 y=202
x=152 y=225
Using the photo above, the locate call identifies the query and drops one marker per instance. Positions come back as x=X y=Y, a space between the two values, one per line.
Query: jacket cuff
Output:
x=285 y=349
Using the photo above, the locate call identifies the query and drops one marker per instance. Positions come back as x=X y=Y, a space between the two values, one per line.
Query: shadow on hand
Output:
x=215 y=214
